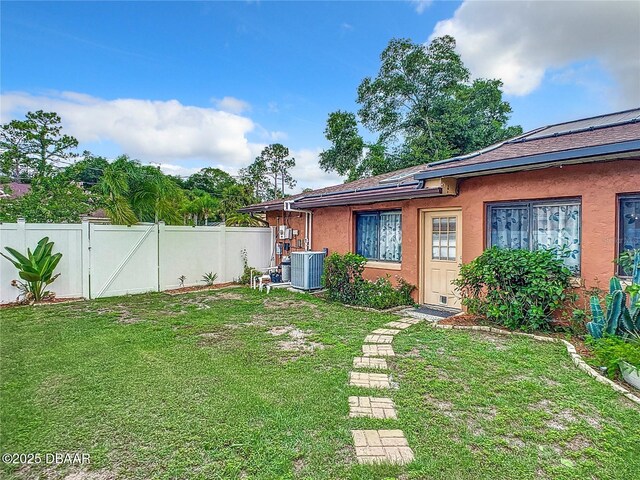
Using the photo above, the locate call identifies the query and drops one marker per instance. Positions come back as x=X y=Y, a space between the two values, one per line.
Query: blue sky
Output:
x=209 y=83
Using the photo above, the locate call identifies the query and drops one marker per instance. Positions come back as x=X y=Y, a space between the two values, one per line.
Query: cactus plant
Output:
x=619 y=320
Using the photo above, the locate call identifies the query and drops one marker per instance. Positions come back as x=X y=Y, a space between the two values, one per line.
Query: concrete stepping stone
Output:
x=369 y=380
x=385 y=331
x=398 y=325
x=411 y=320
x=382 y=446
x=378 y=350
x=373 y=338
x=372 y=407
x=370 y=362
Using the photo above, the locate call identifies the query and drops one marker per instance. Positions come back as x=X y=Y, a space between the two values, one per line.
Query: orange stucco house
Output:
x=575 y=185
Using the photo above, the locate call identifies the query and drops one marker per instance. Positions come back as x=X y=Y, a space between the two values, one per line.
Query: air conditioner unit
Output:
x=306 y=270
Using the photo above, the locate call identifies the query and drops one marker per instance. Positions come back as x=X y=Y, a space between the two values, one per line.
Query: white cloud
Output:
x=519 y=42
x=231 y=105
x=181 y=138
x=308 y=173
x=421 y=5
x=145 y=129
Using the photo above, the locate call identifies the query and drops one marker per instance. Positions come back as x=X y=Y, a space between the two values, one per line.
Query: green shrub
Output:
x=245 y=278
x=610 y=350
x=344 y=283
x=36 y=269
x=516 y=288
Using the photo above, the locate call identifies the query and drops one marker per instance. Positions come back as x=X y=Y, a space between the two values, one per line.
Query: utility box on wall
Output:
x=306 y=270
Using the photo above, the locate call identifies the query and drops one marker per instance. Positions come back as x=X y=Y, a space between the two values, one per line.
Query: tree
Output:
x=155 y=196
x=205 y=206
x=51 y=199
x=33 y=147
x=233 y=198
x=210 y=180
x=89 y=170
x=346 y=153
x=255 y=175
x=245 y=220
x=278 y=163
x=423 y=104
x=272 y=166
x=349 y=155
x=114 y=188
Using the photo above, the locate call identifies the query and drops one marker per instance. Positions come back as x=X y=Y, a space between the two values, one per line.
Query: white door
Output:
x=442 y=256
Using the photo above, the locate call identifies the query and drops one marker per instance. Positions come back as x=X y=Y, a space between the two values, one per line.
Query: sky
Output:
x=194 y=84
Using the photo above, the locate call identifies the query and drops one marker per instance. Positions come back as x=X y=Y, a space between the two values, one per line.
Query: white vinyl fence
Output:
x=108 y=260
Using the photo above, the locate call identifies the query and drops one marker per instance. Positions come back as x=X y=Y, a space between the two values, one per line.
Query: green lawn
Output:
x=203 y=386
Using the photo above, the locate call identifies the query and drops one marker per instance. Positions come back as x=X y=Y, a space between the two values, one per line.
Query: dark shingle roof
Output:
x=569 y=141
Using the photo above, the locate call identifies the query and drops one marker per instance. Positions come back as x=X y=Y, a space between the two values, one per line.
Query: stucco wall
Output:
x=597 y=184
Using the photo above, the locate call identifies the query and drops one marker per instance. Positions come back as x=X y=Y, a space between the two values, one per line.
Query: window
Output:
x=629 y=221
x=537 y=225
x=379 y=235
x=443 y=242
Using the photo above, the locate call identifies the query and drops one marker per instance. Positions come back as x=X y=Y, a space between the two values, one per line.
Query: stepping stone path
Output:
x=385 y=331
x=373 y=407
x=378 y=351
x=378 y=338
x=381 y=446
x=370 y=362
x=378 y=446
x=369 y=380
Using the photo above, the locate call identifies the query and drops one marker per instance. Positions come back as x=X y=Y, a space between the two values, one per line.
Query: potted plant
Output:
x=630 y=373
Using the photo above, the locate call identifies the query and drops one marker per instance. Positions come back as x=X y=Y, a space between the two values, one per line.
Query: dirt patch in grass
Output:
x=90 y=475
x=299 y=465
x=439 y=373
x=197 y=288
x=297 y=339
x=126 y=317
x=578 y=443
x=272 y=304
x=443 y=406
x=498 y=341
x=513 y=442
x=228 y=296
x=562 y=419
x=53 y=473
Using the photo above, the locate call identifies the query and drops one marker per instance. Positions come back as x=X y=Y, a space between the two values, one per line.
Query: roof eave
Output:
x=578 y=155
x=261 y=208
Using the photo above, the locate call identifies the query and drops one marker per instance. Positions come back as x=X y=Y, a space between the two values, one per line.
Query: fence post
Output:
x=161 y=233
x=85 y=255
x=222 y=253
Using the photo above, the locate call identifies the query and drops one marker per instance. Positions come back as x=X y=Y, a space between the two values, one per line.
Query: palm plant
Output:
x=156 y=197
x=209 y=278
x=245 y=220
x=36 y=269
x=206 y=206
x=115 y=190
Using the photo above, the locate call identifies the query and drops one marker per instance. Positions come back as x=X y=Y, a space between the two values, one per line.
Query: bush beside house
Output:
x=344 y=283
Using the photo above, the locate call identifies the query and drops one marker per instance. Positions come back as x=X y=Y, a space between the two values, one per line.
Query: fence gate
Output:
x=123 y=259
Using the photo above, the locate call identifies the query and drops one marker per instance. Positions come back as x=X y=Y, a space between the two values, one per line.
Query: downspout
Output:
x=308 y=223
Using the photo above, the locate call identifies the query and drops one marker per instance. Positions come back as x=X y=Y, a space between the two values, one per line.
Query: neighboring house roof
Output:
x=615 y=135
x=14 y=190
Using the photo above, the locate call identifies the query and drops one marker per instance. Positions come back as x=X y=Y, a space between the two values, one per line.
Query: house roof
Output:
x=615 y=135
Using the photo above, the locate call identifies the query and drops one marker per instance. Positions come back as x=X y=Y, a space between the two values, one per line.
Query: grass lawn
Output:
x=205 y=385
